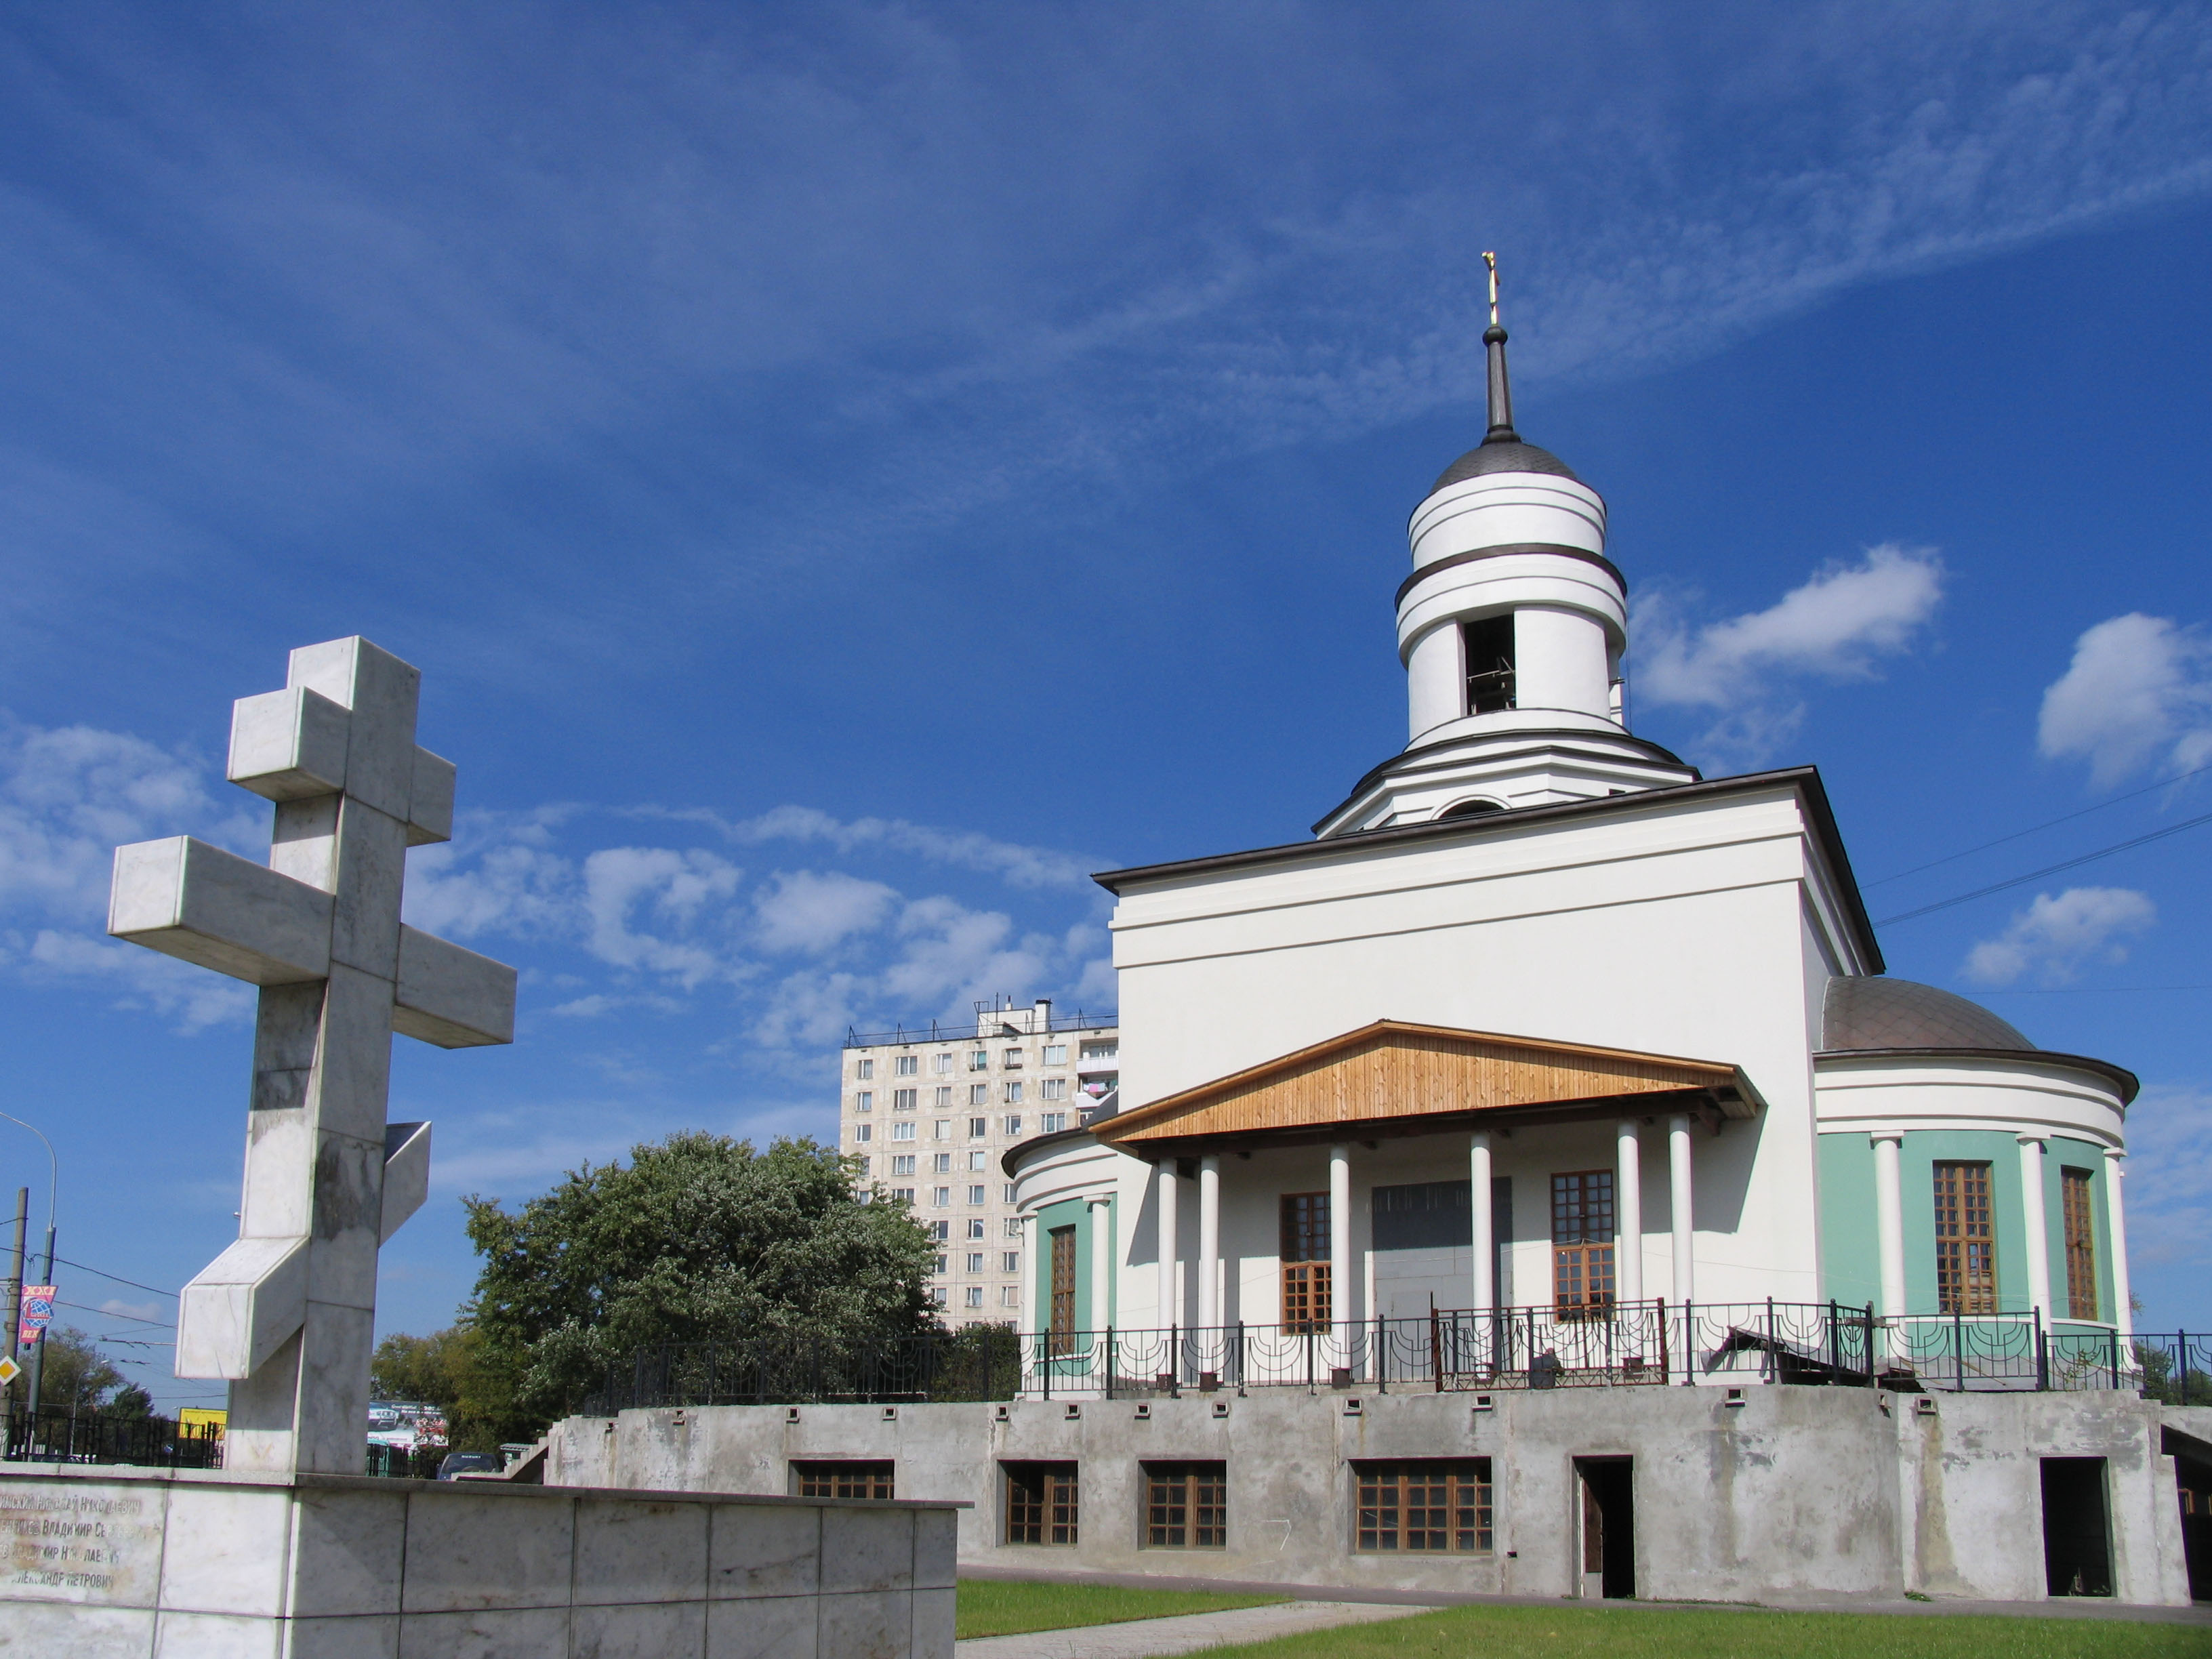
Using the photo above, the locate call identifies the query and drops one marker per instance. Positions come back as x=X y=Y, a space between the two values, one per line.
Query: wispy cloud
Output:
x=2169 y=1175
x=2055 y=937
x=2138 y=692
x=1837 y=626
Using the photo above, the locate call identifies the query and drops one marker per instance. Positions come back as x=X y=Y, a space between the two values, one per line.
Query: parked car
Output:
x=457 y=1464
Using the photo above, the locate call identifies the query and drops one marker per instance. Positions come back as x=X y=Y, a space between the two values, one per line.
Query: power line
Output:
x=1952 y=858
x=2048 y=870
x=2084 y=990
x=115 y=1278
x=109 y=1313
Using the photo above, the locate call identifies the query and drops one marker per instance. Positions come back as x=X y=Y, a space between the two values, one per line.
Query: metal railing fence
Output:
x=62 y=1436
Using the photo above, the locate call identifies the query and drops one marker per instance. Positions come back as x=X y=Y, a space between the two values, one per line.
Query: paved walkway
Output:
x=1143 y=1638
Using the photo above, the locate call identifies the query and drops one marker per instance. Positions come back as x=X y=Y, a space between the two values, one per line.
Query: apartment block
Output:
x=930 y=1111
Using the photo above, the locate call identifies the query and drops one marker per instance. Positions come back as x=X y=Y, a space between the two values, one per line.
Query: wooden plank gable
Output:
x=1391 y=1071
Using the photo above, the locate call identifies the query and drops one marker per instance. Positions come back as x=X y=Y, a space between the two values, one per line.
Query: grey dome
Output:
x=1507 y=456
x=1880 y=1012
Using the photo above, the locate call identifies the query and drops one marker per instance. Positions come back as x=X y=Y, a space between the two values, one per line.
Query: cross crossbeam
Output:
x=287 y=1312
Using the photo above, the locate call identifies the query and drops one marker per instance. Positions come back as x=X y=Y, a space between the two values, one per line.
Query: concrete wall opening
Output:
x=2192 y=1479
x=1606 y=1487
x=2077 y=1536
x=1488 y=643
x=843 y=1477
x=1040 y=1503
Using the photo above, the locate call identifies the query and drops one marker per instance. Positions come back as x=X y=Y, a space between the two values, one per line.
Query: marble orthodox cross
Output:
x=286 y=1313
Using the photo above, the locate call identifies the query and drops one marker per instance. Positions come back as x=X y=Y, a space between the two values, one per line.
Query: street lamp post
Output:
x=46 y=1274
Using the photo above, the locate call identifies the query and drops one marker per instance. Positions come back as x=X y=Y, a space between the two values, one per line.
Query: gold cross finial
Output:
x=1490 y=260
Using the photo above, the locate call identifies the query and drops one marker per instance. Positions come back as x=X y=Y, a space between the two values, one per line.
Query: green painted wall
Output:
x=1850 y=1251
x=1089 y=1235
x=1850 y=1246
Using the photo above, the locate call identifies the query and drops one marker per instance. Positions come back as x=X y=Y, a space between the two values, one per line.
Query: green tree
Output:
x=698 y=1239
x=455 y=1370
x=78 y=1376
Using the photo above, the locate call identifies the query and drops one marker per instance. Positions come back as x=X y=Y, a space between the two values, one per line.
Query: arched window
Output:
x=1467 y=809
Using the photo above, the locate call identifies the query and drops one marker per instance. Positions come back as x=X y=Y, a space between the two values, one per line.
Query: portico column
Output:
x=1485 y=1225
x=1102 y=1262
x=1169 y=1276
x=1680 y=1215
x=1340 y=1241
x=2123 y=1313
x=1628 y=1212
x=2039 y=1228
x=1889 y=1232
x=1209 y=1245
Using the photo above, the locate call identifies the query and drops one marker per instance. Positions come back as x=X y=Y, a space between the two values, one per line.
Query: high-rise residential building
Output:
x=929 y=1112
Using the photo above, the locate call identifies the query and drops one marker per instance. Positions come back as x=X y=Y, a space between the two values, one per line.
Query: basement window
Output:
x=1488 y=648
x=1040 y=1503
x=843 y=1478
x=1440 y=1504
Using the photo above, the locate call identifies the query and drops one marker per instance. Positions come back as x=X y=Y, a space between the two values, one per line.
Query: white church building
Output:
x=1450 y=1145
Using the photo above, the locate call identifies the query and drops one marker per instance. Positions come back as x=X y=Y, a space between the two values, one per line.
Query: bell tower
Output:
x=1511 y=628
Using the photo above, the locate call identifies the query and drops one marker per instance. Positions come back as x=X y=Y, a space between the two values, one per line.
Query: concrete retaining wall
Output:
x=1793 y=1493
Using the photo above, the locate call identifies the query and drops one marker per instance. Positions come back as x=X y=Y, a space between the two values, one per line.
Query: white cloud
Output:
x=2169 y=1175
x=2057 y=938
x=672 y=888
x=1836 y=626
x=1015 y=864
x=2139 y=691
x=812 y=910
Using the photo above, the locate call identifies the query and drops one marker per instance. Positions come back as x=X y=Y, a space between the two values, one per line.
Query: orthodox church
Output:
x=1543 y=1019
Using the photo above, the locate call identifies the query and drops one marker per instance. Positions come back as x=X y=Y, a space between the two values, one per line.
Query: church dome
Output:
x=1510 y=455
x=1876 y=1012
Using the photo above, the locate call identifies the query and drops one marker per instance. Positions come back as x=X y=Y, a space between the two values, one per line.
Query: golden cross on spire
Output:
x=1490 y=260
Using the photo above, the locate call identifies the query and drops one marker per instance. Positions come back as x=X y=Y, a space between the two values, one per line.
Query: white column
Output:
x=1485 y=1223
x=1889 y=1229
x=1026 y=1322
x=2038 y=1227
x=1169 y=1277
x=1628 y=1212
x=1102 y=1262
x=1339 y=1242
x=2123 y=1313
x=1209 y=1243
x=1681 y=1215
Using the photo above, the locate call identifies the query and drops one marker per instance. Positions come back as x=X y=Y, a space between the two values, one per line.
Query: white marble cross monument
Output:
x=287 y=1313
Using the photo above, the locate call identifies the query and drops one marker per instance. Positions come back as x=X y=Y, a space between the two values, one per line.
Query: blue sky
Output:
x=847 y=472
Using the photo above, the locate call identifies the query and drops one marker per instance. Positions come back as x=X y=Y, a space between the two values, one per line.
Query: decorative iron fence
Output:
x=66 y=1437
x=1622 y=1345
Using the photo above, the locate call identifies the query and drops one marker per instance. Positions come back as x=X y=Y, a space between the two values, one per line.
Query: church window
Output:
x=1430 y=1503
x=1489 y=644
x=848 y=1478
x=1040 y=1503
x=906 y=1065
x=1062 y=1305
x=1185 y=1507
x=1305 y=1249
x=1965 y=1244
x=2078 y=1207
x=1582 y=1239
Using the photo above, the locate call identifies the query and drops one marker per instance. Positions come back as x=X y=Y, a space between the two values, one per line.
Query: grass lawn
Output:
x=990 y=1607
x=1749 y=1633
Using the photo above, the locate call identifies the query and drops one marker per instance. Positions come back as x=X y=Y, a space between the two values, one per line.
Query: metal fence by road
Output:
x=60 y=1436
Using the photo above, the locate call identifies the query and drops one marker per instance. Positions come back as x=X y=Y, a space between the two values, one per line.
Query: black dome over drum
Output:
x=1876 y=1012
x=1510 y=456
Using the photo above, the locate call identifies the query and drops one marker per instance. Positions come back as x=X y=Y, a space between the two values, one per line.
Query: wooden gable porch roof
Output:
x=1395 y=1079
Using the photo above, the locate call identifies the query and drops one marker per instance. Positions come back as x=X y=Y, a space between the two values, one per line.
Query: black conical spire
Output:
x=1501 y=389
x=1501 y=449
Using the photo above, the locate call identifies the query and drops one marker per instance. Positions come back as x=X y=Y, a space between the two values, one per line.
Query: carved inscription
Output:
x=69 y=1543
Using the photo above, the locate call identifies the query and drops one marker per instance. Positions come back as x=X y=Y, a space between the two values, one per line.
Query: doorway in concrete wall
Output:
x=2077 y=1538
x=1606 y=1488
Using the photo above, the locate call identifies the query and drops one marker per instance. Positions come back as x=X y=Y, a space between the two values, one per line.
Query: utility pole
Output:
x=15 y=1279
x=16 y=1314
x=38 y=1348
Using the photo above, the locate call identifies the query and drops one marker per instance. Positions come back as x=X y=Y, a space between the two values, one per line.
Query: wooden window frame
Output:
x=2077 y=1210
x=848 y=1477
x=1424 y=1505
x=1583 y=1230
x=1304 y=1242
x=1042 y=1503
x=1966 y=1253
x=1060 y=1290
x=1185 y=1507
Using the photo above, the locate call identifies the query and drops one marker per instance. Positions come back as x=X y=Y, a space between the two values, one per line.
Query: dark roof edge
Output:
x=1805 y=780
x=2129 y=1083
x=1538 y=736
x=1506 y=550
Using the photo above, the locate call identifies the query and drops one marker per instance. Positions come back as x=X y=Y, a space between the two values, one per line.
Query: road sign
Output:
x=38 y=1312
x=10 y=1371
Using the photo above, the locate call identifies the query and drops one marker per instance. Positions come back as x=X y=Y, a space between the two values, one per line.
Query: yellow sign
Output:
x=10 y=1371
x=200 y=1416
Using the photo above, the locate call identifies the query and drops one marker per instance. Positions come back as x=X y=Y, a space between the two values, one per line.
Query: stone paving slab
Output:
x=1190 y=1633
